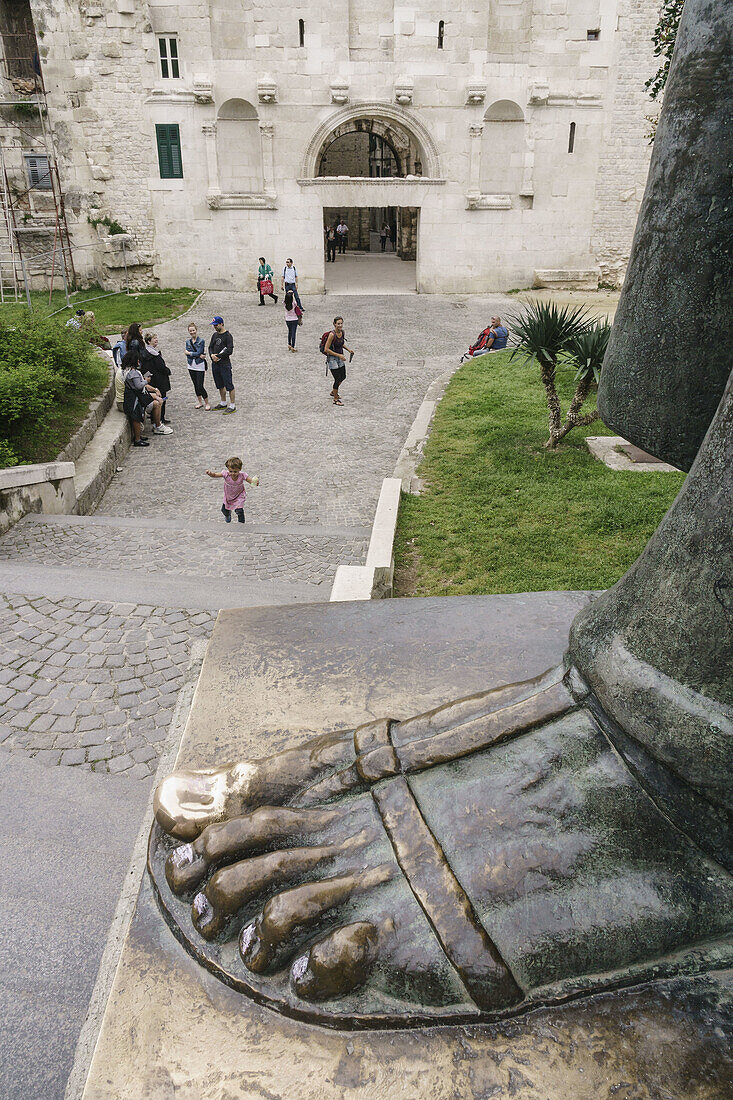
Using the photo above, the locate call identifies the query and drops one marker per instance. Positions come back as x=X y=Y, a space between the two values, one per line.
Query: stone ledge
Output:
x=606 y=449
x=41 y=487
x=372 y=181
x=97 y=465
x=568 y=279
x=375 y=580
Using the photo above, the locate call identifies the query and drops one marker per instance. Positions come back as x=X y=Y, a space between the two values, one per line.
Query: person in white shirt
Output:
x=289 y=282
x=342 y=231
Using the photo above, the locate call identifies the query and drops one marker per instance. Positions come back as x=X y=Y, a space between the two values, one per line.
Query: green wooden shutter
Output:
x=169 y=151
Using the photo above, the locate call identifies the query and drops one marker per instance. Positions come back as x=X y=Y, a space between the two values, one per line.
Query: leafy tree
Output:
x=554 y=337
x=664 y=38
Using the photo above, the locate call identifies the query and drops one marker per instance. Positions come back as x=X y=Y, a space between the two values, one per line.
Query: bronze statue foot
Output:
x=492 y=856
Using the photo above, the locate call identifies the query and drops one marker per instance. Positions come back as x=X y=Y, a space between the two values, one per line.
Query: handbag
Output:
x=265 y=286
x=299 y=313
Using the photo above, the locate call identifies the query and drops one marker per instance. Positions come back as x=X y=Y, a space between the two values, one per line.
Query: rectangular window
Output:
x=593 y=35
x=169 y=65
x=39 y=175
x=169 y=151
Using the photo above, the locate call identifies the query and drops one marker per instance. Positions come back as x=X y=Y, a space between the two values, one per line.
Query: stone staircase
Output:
x=176 y=564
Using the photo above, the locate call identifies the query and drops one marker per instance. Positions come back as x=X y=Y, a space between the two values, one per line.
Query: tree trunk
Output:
x=573 y=418
x=554 y=412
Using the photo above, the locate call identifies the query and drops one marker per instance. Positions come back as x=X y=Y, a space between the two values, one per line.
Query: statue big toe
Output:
x=547 y=839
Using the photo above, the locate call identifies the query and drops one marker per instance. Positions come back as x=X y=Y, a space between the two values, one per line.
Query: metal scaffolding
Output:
x=26 y=136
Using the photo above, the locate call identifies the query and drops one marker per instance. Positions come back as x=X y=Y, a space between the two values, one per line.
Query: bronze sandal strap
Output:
x=476 y=959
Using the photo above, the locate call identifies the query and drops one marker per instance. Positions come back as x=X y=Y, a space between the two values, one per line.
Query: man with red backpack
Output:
x=333 y=346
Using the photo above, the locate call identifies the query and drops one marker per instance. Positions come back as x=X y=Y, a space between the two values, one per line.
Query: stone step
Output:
x=133 y=582
x=199 y=562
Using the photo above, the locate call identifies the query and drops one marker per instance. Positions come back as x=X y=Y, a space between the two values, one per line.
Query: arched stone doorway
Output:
x=368 y=143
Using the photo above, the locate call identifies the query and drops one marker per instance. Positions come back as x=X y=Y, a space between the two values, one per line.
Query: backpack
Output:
x=481 y=343
x=324 y=340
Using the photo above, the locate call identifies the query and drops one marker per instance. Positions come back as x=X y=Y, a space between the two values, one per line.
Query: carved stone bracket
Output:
x=339 y=90
x=475 y=93
x=541 y=96
x=477 y=201
x=203 y=89
x=267 y=89
x=404 y=90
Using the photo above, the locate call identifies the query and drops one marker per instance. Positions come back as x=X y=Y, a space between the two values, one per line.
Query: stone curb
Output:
x=97 y=465
x=375 y=579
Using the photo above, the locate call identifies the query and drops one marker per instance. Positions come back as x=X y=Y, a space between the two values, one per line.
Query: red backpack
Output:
x=324 y=340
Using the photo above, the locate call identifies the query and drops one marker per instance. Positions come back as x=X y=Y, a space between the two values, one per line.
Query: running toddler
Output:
x=235 y=492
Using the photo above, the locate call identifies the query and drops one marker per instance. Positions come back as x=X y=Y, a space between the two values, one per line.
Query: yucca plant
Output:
x=546 y=333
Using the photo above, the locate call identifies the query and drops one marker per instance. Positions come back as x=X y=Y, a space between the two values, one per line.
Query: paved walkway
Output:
x=371 y=273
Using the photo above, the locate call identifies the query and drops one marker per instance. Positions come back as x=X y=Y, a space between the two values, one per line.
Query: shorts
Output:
x=222 y=375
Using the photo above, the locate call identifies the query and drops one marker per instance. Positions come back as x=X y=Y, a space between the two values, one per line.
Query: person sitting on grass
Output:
x=498 y=336
x=140 y=396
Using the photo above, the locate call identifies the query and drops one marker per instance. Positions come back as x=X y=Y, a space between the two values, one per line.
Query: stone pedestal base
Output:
x=276 y=675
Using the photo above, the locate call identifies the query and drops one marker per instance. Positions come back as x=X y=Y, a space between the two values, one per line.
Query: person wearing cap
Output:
x=221 y=347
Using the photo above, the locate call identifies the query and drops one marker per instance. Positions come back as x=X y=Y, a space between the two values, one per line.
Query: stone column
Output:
x=267 y=130
x=476 y=130
x=212 y=162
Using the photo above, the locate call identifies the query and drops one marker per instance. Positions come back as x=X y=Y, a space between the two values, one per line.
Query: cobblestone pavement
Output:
x=221 y=551
x=91 y=684
x=318 y=463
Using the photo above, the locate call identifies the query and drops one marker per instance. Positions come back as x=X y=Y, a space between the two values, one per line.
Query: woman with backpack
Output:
x=333 y=346
x=264 y=281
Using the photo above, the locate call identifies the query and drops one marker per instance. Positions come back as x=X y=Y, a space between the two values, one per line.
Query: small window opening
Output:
x=571 y=138
x=593 y=35
x=38 y=172
x=441 y=33
x=169 y=64
x=301 y=31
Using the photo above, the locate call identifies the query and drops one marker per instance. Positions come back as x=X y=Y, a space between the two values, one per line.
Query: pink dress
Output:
x=235 y=492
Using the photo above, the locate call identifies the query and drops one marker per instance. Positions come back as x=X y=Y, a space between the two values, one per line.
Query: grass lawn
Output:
x=501 y=514
x=148 y=307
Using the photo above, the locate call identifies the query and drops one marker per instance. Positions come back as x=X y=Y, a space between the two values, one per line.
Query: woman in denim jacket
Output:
x=196 y=358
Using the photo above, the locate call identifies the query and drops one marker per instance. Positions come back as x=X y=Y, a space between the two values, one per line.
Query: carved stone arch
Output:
x=385 y=118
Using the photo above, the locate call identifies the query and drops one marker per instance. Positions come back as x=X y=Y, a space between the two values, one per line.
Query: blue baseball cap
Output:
x=218 y=321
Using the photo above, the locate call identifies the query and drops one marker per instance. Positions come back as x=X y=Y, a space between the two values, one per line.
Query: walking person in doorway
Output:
x=264 y=279
x=235 y=493
x=334 y=351
x=342 y=232
x=290 y=281
x=383 y=235
x=330 y=244
x=196 y=359
x=293 y=314
x=221 y=347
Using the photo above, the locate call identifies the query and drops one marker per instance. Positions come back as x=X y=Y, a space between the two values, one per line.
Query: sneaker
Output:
x=140 y=443
x=230 y=409
x=162 y=429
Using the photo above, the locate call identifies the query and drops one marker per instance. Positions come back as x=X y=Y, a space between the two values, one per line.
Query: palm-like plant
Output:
x=552 y=335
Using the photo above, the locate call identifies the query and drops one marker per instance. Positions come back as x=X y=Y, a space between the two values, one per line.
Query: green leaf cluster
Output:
x=43 y=365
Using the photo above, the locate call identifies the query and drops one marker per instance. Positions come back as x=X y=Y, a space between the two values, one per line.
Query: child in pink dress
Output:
x=235 y=493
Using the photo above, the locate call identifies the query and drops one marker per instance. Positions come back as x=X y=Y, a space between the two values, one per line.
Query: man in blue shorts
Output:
x=221 y=347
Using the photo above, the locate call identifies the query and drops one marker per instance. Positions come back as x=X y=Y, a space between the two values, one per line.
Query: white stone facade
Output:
x=487 y=114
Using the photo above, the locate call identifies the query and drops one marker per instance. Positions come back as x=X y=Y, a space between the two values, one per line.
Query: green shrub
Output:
x=43 y=368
